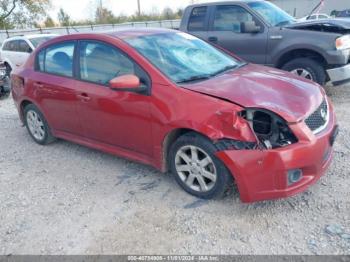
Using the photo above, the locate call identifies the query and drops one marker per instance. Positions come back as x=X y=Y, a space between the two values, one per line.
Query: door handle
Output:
x=213 y=39
x=38 y=85
x=84 y=97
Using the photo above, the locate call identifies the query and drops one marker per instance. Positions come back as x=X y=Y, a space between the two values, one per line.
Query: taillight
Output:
x=17 y=81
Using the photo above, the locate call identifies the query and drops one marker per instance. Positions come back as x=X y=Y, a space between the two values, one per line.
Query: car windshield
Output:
x=271 y=13
x=39 y=40
x=182 y=57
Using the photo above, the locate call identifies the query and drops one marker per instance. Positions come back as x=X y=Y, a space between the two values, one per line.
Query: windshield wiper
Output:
x=226 y=68
x=194 y=78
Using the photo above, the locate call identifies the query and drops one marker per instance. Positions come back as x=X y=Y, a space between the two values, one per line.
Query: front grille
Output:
x=317 y=121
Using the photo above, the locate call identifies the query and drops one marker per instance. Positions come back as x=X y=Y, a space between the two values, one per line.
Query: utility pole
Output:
x=100 y=10
x=139 y=7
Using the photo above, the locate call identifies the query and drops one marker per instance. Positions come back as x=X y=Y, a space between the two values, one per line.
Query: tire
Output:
x=188 y=172
x=315 y=69
x=35 y=121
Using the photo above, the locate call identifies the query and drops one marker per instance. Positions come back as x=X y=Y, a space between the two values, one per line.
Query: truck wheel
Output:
x=307 y=68
x=196 y=169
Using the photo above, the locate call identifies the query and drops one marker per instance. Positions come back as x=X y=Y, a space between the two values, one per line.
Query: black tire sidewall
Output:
x=316 y=69
x=47 y=138
x=224 y=178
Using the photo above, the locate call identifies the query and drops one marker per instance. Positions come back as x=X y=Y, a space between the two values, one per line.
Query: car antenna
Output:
x=315 y=8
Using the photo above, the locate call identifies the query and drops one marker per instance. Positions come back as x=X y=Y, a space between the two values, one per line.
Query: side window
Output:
x=59 y=59
x=311 y=17
x=11 y=46
x=230 y=18
x=100 y=63
x=40 y=61
x=24 y=47
x=197 y=19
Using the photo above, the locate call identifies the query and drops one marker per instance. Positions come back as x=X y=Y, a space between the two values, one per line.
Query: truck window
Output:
x=197 y=19
x=230 y=18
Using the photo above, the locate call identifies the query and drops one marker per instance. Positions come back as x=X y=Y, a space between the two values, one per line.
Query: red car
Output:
x=170 y=100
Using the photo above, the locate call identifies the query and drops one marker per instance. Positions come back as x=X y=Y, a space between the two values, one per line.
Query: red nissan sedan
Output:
x=172 y=101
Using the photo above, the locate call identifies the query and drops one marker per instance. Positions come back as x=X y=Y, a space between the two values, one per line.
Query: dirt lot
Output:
x=68 y=199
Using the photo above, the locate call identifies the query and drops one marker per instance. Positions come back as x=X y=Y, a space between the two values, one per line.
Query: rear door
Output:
x=55 y=87
x=9 y=51
x=225 y=29
x=23 y=52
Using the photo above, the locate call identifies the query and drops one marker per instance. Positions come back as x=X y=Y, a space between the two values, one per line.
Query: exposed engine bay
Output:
x=270 y=129
x=330 y=26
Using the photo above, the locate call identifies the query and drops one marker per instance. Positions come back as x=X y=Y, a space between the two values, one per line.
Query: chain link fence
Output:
x=171 y=24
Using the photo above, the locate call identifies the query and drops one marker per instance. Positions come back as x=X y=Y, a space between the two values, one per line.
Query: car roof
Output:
x=121 y=33
x=136 y=32
x=29 y=36
x=225 y=2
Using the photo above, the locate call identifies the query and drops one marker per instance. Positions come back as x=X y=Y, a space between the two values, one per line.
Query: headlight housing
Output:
x=271 y=130
x=2 y=73
x=343 y=42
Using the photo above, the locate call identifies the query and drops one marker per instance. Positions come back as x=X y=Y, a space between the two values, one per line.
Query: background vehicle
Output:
x=170 y=100
x=314 y=17
x=15 y=50
x=4 y=81
x=342 y=14
x=262 y=33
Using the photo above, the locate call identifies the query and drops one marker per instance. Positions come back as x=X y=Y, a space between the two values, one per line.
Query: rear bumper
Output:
x=262 y=174
x=339 y=75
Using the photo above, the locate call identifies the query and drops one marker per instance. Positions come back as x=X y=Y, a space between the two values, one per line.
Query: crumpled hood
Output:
x=343 y=23
x=256 y=86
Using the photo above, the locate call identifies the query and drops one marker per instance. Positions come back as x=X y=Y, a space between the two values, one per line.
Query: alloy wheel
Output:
x=195 y=168
x=36 y=125
x=303 y=73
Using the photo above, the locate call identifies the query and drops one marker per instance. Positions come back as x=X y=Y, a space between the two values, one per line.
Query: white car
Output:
x=314 y=17
x=15 y=50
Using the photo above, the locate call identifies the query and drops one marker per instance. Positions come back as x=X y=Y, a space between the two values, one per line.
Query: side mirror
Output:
x=125 y=82
x=250 y=28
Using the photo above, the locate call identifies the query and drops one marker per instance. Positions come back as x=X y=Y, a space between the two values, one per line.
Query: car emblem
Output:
x=323 y=114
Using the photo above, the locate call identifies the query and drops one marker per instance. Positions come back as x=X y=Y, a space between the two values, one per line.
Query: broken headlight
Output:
x=2 y=73
x=271 y=130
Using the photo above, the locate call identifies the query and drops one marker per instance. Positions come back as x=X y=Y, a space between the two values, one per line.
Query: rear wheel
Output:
x=307 y=68
x=37 y=126
x=196 y=168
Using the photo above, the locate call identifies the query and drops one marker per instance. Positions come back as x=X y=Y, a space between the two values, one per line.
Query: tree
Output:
x=49 y=22
x=168 y=13
x=63 y=18
x=104 y=16
x=22 y=13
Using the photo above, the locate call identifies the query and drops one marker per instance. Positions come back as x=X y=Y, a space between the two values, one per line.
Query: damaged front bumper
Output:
x=264 y=174
x=339 y=75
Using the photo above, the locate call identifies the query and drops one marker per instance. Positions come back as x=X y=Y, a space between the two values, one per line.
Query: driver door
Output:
x=116 y=118
x=225 y=29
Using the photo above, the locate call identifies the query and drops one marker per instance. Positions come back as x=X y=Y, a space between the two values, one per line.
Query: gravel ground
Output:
x=68 y=199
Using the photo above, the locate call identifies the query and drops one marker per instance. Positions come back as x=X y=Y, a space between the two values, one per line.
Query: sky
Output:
x=84 y=9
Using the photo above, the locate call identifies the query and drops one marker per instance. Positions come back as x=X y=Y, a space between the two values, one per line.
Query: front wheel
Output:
x=196 y=168
x=307 y=68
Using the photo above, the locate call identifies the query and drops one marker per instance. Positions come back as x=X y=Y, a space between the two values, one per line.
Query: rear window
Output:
x=57 y=59
x=39 y=40
x=197 y=19
x=10 y=45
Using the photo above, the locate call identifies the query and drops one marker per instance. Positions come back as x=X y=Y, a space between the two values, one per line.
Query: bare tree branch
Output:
x=3 y=17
